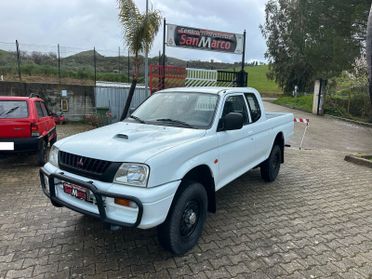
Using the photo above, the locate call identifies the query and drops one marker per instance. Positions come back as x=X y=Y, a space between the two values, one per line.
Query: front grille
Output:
x=88 y=167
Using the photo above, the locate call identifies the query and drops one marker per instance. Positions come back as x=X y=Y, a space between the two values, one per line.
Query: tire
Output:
x=42 y=154
x=184 y=224
x=270 y=168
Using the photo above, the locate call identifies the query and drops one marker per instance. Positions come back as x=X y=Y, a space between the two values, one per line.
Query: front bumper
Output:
x=152 y=204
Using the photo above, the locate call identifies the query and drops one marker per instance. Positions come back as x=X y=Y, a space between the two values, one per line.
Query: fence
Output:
x=172 y=76
x=61 y=64
x=114 y=95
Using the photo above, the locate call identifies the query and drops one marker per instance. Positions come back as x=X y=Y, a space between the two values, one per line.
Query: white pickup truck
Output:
x=162 y=165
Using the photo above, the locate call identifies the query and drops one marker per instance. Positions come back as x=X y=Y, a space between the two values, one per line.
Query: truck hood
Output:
x=127 y=142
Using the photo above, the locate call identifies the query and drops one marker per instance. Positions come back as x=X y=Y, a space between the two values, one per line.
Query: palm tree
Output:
x=139 y=33
x=369 y=53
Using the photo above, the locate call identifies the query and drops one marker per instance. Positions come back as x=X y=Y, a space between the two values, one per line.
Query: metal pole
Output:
x=18 y=61
x=59 y=64
x=243 y=56
x=119 y=62
x=164 y=30
x=95 y=65
x=163 y=62
x=128 y=66
x=146 y=55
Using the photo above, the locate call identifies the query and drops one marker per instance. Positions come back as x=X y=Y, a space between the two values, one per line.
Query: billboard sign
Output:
x=202 y=39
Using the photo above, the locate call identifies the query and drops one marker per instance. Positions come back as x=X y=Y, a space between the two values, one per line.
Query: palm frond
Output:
x=139 y=29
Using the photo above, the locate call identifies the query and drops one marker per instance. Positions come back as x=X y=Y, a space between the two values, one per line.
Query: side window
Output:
x=236 y=104
x=39 y=109
x=45 y=109
x=254 y=106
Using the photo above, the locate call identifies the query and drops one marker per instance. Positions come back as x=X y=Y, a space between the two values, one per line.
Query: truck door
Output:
x=258 y=131
x=235 y=147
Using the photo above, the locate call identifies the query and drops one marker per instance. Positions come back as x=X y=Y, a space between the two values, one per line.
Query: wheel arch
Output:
x=204 y=175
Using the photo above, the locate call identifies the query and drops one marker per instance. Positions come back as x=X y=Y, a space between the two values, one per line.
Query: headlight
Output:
x=132 y=174
x=53 y=156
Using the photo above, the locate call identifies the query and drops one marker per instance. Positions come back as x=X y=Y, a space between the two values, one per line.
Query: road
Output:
x=326 y=132
x=314 y=221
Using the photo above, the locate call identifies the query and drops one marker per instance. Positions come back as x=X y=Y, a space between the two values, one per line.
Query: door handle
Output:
x=250 y=133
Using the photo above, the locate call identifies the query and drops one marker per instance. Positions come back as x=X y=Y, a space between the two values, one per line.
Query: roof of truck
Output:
x=210 y=90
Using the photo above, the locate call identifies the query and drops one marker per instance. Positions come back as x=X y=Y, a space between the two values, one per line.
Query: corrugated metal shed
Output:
x=113 y=95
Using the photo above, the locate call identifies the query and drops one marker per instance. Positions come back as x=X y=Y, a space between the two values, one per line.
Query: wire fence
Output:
x=62 y=64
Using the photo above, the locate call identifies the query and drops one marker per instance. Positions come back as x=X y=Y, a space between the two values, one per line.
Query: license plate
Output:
x=75 y=191
x=6 y=146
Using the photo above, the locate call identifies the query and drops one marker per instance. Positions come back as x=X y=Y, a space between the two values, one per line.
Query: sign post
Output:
x=203 y=39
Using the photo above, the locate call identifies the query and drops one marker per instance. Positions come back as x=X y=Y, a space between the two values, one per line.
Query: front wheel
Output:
x=184 y=224
x=270 y=168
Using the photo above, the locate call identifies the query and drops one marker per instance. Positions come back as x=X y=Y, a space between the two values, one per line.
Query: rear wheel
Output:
x=270 y=168
x=184 y=224
x=42 y=154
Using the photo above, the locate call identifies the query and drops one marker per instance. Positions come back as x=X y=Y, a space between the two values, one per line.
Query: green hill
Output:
x=38 y=66
x=257 y=78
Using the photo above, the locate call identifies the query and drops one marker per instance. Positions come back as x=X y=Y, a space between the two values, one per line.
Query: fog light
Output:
x=125 y=202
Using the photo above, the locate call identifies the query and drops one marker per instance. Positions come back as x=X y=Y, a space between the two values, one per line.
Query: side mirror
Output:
x=231 y=121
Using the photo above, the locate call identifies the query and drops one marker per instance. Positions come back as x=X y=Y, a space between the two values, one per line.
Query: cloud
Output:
x=83 y=24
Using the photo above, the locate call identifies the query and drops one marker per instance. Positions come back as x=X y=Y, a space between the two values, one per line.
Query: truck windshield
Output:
x=13 y=109
x=181 y=109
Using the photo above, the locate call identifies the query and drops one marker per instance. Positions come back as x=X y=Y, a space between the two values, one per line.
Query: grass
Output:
x=257 y=78
x=304 y=103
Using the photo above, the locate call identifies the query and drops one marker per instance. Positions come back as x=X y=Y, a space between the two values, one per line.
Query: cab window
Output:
x=45 y=109
x=254 y=106
x=236 y=104
x=39 y=109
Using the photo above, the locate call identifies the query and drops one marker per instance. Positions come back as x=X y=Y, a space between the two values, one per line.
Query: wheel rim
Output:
x=190 y=218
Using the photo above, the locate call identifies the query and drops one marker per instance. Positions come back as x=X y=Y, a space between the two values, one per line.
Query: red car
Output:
x=59 y=118
x=26 y=125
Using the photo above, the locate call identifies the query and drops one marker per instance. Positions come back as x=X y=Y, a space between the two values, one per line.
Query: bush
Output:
x=351 y=103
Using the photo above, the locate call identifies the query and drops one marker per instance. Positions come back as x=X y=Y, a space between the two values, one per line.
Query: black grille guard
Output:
x=97 y=193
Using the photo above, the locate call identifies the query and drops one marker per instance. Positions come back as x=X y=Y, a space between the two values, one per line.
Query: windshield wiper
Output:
x=137 y=118
x=175 y=122
x=9 y=110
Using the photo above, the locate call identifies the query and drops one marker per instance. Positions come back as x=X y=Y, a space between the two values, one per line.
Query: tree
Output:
x=310 y=39
x=369 y=54
x=139 y=33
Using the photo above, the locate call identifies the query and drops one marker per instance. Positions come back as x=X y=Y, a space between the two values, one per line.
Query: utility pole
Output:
x=128 y=66
x=146 y=55
x=59 y=64
x=119 y=62
x=95 y=65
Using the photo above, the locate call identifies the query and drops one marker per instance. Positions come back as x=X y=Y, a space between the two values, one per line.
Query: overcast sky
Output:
x=83 y=24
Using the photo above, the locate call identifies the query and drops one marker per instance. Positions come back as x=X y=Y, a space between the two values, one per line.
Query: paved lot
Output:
x=314 y=221
x=329 y=133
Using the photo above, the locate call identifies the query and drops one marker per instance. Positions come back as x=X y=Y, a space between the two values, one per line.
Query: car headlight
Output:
x=132 y=174
x=53 y=156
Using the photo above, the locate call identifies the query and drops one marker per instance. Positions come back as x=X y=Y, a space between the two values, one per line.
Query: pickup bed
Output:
x=162 y=165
